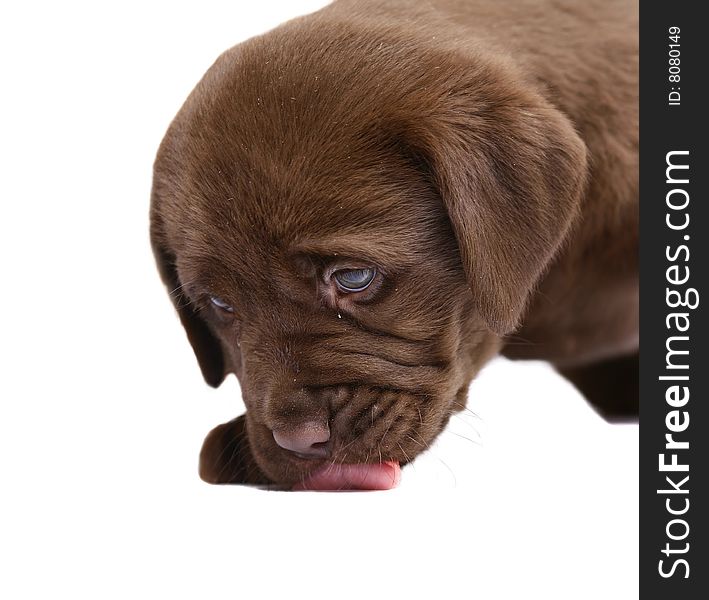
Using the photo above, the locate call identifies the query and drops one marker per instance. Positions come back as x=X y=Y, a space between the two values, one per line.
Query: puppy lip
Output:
x=303 y=461
x=317 y=453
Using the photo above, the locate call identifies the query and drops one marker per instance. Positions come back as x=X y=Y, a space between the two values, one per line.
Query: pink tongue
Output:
x=379 y=476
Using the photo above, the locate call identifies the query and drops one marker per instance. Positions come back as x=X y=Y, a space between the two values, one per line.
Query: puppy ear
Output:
x=206 y=346
x=510 y=170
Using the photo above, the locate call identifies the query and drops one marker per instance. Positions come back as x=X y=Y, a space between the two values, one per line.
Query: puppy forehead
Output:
x=357 y=203
x=278 y=158
x=318 y=188
x=357 y=219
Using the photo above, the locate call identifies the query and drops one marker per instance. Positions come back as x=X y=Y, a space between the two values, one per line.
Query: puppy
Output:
x=354 y=212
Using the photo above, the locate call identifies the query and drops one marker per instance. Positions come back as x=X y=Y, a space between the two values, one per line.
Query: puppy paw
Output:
x=226 y=456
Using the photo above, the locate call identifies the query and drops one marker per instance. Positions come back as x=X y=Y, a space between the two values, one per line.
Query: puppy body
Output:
x=481 y=156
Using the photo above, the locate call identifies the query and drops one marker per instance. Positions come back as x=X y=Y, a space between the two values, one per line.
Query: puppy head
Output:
x=350 y=232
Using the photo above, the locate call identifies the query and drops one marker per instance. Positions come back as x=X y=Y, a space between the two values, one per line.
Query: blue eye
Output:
x=354 y=280
x=220 y=304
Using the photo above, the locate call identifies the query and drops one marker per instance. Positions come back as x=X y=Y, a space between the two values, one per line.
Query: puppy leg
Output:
x=611 y=386
x=226 y=456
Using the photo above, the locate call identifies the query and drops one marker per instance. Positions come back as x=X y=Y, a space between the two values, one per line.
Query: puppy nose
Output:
x=308 y=440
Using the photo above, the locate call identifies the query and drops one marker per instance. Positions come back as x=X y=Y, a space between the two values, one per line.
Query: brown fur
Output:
x=481 y=155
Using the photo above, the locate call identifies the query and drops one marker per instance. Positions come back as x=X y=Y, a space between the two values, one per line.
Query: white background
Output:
x=104 y=410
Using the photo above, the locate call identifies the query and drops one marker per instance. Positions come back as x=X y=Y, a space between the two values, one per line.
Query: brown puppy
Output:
x=354 y=212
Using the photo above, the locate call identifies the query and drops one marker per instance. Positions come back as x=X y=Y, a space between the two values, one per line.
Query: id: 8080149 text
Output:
x=674 y=70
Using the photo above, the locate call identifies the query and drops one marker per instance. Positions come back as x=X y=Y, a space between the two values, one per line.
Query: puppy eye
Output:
x=220 y=304
x=354 y=280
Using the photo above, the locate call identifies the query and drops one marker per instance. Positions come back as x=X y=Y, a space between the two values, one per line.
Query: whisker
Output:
x=408 y=459
x=464 y=408
x=425 y=443
x=369 y=452
x=455 y=479
x=415 y=441
x=467 y=438
x=468 y=424
x=435 y=455
x=179 y=287
x=348 y=445
x=518 y=340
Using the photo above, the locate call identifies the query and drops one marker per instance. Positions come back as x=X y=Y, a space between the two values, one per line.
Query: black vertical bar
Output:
x=674 y=397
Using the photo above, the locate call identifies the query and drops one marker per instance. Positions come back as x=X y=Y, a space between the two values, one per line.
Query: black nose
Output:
x=308 y=440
